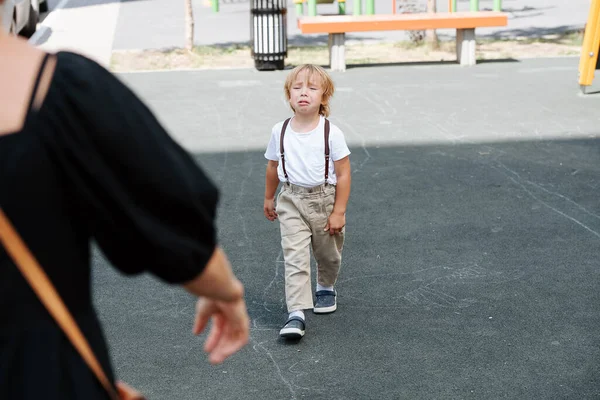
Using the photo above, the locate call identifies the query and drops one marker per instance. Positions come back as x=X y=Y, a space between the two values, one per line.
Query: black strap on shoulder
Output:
x=37 y=81
x=283 y=128
x=326 y=149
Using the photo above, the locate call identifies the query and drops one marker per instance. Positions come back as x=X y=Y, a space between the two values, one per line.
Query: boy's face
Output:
x=306 y=93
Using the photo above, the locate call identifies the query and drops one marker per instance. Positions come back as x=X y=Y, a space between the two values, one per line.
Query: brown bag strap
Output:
x=41 y=285
x=284 y=127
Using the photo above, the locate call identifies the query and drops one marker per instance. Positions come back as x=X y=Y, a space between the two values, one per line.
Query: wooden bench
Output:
x=464 y=23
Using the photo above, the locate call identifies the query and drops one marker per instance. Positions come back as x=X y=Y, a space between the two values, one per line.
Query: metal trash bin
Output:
x=268 y=32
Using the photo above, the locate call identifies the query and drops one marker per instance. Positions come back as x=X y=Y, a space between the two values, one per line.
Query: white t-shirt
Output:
x=305 y=153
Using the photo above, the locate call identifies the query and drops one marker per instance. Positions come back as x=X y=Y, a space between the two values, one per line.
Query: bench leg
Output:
x=465 y=46
x=337 y=51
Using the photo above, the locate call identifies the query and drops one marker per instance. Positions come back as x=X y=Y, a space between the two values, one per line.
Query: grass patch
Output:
x=239 y=56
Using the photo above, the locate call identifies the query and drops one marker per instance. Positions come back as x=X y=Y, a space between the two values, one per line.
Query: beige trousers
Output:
x=303 y=214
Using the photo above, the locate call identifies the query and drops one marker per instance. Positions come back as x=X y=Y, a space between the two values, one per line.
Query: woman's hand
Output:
x=230 y=330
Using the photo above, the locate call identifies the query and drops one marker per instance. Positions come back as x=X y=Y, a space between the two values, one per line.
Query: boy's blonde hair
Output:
x=326 y=84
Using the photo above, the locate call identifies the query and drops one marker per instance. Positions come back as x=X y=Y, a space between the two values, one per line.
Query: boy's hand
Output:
x=269 y=209
x=335 y=223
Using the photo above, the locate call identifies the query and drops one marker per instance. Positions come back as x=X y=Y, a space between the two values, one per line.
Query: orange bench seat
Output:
x=464 y=23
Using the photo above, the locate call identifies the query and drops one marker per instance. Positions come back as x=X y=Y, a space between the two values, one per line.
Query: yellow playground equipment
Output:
x=589 y=60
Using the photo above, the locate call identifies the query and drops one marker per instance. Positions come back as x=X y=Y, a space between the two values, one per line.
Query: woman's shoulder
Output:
x=79 y=69
x=71 y=59
x=86 y=84
x=82 y=90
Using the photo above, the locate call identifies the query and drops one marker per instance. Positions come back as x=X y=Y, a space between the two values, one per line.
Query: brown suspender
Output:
x=284 y=127
x=326 y=149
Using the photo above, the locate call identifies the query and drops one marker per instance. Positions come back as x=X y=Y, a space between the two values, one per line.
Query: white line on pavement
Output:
x=44 y=26
x=80 y=27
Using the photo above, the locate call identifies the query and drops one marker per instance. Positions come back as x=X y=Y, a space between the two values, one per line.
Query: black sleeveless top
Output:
x=91 y=164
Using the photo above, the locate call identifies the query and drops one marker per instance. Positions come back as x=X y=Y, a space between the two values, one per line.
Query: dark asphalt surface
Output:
x=471 y=266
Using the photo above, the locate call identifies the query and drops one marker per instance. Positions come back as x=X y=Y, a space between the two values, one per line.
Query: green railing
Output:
x=474 y=5
x=357 y=6
x=369 y=6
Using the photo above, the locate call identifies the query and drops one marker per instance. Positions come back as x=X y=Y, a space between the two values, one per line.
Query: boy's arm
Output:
x=342 y=190
x=337 y=219
x=271 y=183
x=272 y=179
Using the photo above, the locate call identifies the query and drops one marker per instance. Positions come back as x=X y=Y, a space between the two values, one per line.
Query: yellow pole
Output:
x=590 y=47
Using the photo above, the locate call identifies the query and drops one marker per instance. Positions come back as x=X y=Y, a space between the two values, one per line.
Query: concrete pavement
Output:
x=96 y=28
x=83 y=26
x=163 y=23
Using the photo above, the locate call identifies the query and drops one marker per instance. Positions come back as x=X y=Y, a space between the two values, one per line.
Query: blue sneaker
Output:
x=325 y=302
x=293 y=329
